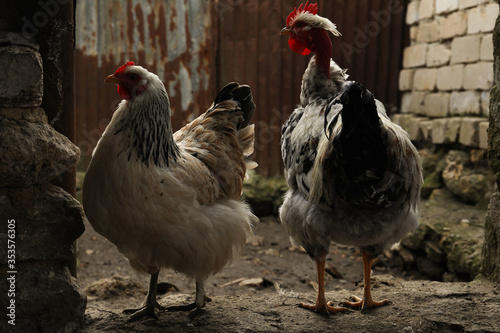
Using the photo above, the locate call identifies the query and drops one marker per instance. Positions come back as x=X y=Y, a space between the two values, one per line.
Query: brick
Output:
x=465 y=49
x=485 y=103
x=405 y=102
x=446 y=6
x=436 y=105
x=406 y=79
x=413 y=33
x=469 y=131
x=412 y=12
x=482 y=19
x=486 y=51
x=403 y=120
x=416 y=102
x=428 y=32
x=438 y=55
x=22 y=77
x=425 y=79
x=438 y=133
x=426 y=9
x=478 y=76
x=483 y=134
x=426 y=128
x=414 y=129
x=414 y=56
x=453 y=25
x=463 y=4
x=450 y=77
x=453 y=129
x=464 y=103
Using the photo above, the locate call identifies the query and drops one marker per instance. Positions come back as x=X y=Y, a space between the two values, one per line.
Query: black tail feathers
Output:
x=243 y=95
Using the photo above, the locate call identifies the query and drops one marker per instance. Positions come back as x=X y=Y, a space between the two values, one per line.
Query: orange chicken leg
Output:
x=321 y=306
x=367 y=301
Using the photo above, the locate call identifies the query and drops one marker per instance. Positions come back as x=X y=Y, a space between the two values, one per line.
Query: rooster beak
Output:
x=112 y=79
x=285 y=31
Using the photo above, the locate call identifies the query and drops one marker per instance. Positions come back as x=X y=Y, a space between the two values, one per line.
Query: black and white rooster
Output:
x=171 y=200
x=354 y=176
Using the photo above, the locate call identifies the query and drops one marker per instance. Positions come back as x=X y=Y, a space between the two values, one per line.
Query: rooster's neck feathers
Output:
x=149 y=129
x=316 y=85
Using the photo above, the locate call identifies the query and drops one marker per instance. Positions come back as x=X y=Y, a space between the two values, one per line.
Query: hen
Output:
x=171 y=200
x=354 y=176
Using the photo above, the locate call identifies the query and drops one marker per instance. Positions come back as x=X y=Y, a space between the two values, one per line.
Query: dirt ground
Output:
x=259 y=292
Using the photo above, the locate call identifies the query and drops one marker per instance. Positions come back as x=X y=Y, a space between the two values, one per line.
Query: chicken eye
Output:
x=299 y=25
x=132 y=76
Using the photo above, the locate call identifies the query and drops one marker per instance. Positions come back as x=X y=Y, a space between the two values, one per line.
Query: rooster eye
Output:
x=132 y=76
x=299 y=24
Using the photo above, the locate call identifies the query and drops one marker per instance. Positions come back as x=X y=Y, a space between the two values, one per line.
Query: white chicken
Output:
x=171 y=200
x=354 y=176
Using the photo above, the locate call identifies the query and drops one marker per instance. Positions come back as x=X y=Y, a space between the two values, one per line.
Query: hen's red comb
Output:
x=122 y=68
x=311 y=8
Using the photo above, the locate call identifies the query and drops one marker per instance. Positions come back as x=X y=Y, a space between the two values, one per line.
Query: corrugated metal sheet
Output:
x=174 y=39
x=197 y=46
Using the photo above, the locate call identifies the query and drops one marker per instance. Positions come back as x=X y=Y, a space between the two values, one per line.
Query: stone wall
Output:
x=491 y=248
x=39 y=220
x=448 y=71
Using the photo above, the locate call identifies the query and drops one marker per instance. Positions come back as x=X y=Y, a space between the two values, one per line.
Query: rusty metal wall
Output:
x=196 y=46
x=174 y=39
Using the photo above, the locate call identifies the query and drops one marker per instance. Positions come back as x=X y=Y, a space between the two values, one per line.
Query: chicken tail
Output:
x=242 y=94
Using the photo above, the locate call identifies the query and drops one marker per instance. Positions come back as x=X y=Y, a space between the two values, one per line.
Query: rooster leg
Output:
x=199 y=302
x=367 y=301
x=150 y=304
x=321 y=306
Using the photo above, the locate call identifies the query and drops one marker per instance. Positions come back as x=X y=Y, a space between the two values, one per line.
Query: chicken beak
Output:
x=112 y=79
x=285 y=31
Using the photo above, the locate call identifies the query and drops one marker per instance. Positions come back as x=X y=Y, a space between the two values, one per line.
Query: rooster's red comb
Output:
x=310 y=8
x=122 y=68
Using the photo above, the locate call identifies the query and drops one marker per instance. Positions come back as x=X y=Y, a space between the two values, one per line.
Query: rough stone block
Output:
x=463 y=4
x=483 y=134
x=33 y=153
x=491 y=245
x=413 y=33
x=485 y=103
x=446 y=6
x=426 y=9
x=478 y=76
x=414 y=129
x=436 y=105
x=428 y=32
x=416 y=102
x=403 y=120
x=438 y=55
x=486 y=52
x=425 y=79
x=22 y=77
x=450 y=77
x=482 y=18
x=469 y=131
x=415 y=55
x=412 y=12
x=464 y=103
x=406 y=79
x=453 y=129
x=426 y=127
x=405 y=102
x=439 y=130
x=453 y=25
x=465 y=49
x=47 y=227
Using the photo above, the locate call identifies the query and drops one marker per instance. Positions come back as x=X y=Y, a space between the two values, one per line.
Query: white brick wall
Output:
x=448 y=71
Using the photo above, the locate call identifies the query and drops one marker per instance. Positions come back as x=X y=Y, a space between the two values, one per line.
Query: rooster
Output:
x=354 y=177
x=171 y=200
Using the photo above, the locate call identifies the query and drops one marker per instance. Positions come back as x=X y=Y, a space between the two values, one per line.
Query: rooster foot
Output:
x=147 y=310
x=322 y=309
x=188 y=307
x=364 y=304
